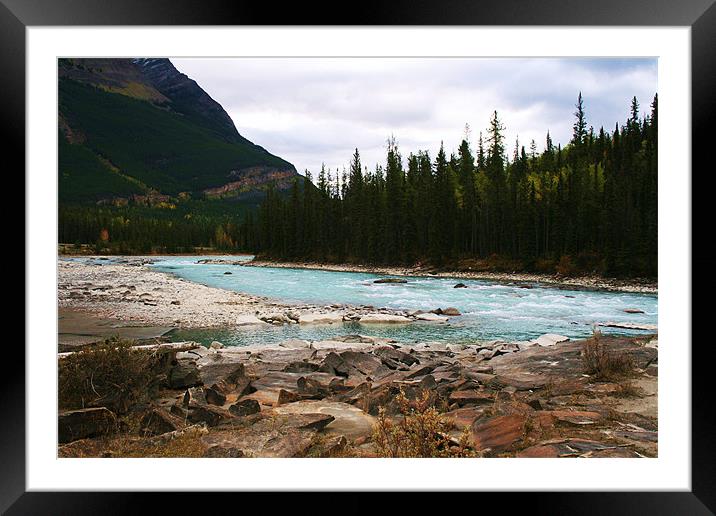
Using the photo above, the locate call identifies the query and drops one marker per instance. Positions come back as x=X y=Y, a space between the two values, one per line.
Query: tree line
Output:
x=135 y=229
x=590 y=206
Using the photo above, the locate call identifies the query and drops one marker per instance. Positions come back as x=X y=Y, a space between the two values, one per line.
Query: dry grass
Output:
x=418 y=432
x=187 y=445
x=110 y=374
x=599 y=361
x=628 y=390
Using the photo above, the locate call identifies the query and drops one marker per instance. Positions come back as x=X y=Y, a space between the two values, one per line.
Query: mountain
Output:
x=138 y=128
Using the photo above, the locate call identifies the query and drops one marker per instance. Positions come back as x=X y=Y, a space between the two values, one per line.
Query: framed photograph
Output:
x=430 y=248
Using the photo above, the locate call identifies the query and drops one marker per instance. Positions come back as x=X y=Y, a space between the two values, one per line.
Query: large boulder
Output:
x=365 y=363
x=183 y=374
x=349 y=421
x=390 y=280
x=389 y=352
x=221 y=367
x=335 y=365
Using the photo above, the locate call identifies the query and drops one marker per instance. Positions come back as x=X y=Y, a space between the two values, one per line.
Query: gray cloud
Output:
x=315 y=110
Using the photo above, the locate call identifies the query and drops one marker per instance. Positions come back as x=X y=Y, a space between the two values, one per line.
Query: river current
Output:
x=490 y=310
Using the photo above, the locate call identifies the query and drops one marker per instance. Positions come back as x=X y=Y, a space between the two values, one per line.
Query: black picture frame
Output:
x=700 y=15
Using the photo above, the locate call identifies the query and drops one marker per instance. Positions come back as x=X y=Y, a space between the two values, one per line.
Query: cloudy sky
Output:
x=318 y=110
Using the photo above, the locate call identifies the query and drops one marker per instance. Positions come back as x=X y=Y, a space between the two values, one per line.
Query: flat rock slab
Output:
x=521 y=381
x=215 y=367
x=383 y=319
x=315 y=318
x=498 y=433
x=259 y=442
x=629 y=325
x=575 y=417
x=349 y=421
x=366 y=363
x=464 y=417
x=472 y=397
x=277 y=380
x=431 y=317
x=249 y=320
x=645 y=436
x=566 y=448
x=550 y=339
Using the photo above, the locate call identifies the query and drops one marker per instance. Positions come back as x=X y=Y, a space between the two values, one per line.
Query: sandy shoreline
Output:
x=134 y=293
x=582 y=282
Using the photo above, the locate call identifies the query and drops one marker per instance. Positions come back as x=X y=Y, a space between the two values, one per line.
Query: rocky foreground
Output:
x=323 y=399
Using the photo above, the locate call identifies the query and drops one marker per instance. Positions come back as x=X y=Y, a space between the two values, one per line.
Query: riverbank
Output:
x=582 y=282
x=347 y=397
x=130 y=292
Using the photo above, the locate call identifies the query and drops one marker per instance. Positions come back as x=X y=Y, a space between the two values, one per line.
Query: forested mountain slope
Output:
x=147 y=155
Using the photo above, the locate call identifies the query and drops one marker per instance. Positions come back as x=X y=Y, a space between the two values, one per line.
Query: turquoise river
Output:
x=490 y=310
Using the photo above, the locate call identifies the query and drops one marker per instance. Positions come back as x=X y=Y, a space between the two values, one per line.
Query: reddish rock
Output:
x=576 y=417
x=388 y=352
x=546 y=451
x=575 y=447
x=421 y=371
x=245 y=407
x=209 y=414
x=308 y=421
x=498 y=433
x=215 y=396
x=158 y=421
x=521 y=381
x=330 y=447
x=472 y=397
x=365 y=363
x=301 y=367
x=285 y=396
x=464 y=417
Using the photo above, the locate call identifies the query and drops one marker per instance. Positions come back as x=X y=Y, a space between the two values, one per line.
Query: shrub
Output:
x=627 y=390
x=418 y=432
x=601 y=362
x=110 y=374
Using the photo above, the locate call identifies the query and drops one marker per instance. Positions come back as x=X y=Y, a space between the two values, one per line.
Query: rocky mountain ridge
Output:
x=133 y=126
